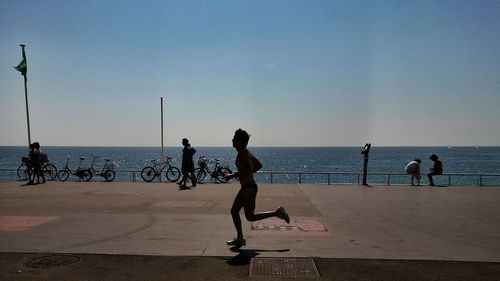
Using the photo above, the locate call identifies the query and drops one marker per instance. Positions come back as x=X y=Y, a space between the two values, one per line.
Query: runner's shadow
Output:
x=244 y=256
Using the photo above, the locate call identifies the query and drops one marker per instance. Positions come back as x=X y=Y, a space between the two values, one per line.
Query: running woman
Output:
x=247 y=165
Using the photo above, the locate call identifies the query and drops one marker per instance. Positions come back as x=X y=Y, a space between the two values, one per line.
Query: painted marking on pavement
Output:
x=301 y=227
x=21 y=223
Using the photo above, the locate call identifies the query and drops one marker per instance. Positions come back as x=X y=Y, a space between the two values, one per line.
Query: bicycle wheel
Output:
x=173 y=174
x=49 y=171
x=23 y=172
x=200 y=174
x=221 y=172
x=109 y=175
x=86 y=175
x=148 y=174
x=63 y=175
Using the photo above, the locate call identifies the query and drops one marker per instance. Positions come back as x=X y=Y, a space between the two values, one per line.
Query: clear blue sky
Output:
x=293 y=73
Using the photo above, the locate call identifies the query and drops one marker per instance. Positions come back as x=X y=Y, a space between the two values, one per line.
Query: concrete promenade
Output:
x=153 y=231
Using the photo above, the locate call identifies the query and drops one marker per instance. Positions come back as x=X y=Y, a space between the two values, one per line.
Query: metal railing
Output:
x=376 y=178
x=384 y=178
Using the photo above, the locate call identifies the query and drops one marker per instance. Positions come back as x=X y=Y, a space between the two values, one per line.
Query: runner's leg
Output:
x=249 y=195
x=235 y=213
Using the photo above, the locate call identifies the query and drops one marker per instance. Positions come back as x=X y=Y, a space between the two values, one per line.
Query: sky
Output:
x=291 y=73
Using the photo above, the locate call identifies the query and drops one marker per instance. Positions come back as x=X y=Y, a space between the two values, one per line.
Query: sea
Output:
x=288 y=164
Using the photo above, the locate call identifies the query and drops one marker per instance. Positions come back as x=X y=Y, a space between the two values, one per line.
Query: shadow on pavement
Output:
x=245 y=255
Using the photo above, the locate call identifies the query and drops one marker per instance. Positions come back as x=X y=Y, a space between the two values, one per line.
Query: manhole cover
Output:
x=283 y=267
x=49 y=261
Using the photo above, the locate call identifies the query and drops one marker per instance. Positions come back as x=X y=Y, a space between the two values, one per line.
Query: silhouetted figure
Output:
x=36 y=163
x=437 y=169
x=413 y=169
x=187 y=164
x=247 y=165
x=29 y=164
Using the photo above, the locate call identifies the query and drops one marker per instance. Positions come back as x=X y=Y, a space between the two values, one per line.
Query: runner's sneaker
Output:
x=238 y=242
x=281 y=213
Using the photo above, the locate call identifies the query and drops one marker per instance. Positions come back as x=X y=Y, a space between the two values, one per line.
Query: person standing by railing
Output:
x=247 y=165
x=36 y=163
x=413 y=169
x=437 y=169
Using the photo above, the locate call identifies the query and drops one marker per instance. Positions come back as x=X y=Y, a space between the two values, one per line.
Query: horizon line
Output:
x=259 y=146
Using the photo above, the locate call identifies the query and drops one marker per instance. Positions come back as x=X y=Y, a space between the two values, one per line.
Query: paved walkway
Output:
x=157 y=231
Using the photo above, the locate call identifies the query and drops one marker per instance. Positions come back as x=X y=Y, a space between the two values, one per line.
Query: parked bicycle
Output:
x=149 y=173
x=217 y=173
x=107 y=171
x=82 y=173
x=24 y=170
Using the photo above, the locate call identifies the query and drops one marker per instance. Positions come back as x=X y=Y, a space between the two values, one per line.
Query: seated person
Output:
x=437 y=169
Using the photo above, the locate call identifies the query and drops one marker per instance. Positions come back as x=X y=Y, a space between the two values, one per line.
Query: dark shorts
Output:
x=250 y=185
x=187 y=168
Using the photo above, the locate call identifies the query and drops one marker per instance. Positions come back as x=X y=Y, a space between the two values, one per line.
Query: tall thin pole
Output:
x=26 y=98
x=162 y=155
x=365 y=152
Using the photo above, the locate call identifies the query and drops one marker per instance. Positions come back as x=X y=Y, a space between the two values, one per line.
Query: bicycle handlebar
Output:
x=205 y=159
x=167 y=159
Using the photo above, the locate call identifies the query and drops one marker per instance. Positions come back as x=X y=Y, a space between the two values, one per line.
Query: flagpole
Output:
x=26 y=98
x=162 y=155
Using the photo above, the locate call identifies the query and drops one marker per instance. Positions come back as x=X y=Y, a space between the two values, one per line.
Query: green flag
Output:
x=22 y=67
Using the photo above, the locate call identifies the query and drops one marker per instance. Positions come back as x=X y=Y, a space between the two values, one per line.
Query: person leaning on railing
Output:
x=413 y=169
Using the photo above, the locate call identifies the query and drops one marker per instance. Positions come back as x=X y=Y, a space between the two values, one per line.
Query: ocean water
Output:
x=456 y=160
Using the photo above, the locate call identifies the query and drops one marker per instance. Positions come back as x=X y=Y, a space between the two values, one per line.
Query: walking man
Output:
x=187 y=164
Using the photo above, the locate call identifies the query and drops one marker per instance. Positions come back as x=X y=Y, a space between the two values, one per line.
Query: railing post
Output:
x=358 y=178
x=271 y=175
x=388 y=179
x=300 y=177
x=449 y=180
x=133 y=176
x=480 y=180
x=328 y=178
